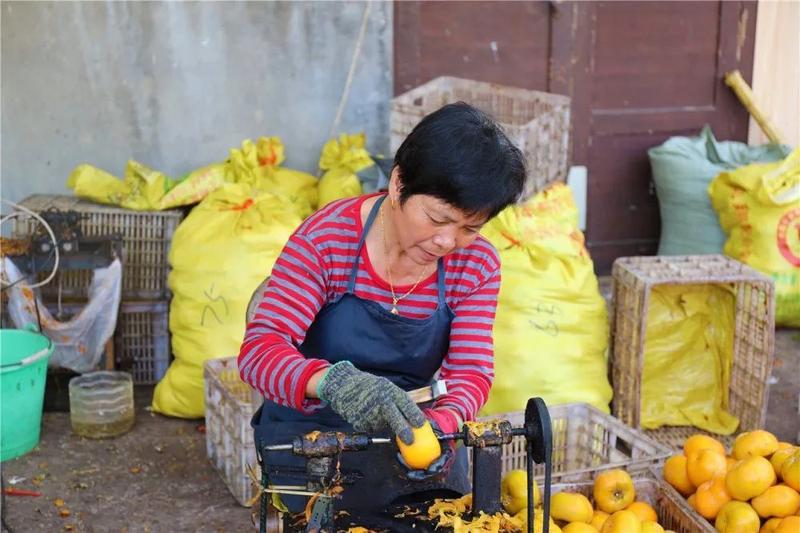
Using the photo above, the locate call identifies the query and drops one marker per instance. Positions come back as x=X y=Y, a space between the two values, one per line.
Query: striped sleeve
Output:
x=269 y=359
x=468 y=367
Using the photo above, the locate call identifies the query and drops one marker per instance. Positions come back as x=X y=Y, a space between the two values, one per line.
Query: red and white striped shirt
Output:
x=313 y=270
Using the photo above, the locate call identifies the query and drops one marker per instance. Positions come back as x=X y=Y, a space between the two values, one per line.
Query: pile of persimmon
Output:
x=753 y=489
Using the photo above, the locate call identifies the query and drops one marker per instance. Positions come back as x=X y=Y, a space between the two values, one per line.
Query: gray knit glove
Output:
x=369 y=403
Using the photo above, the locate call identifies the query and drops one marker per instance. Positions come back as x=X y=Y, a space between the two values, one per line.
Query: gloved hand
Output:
x=440 y=467
x=369 y=403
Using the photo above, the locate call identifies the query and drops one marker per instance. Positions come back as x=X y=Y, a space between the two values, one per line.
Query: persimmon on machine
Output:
x=322 y=449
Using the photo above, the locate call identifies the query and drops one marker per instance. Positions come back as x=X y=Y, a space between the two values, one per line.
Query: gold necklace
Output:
x=395 y=299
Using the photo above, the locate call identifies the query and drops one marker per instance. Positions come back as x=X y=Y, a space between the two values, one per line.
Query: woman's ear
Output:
x=394 y=187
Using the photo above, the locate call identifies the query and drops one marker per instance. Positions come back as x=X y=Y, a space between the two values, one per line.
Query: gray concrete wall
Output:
x=175 y=85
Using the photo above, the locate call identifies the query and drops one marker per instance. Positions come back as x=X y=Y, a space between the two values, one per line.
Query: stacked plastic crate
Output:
x=141 y=341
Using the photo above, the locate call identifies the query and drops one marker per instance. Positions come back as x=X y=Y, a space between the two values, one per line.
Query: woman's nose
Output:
x=444 y=241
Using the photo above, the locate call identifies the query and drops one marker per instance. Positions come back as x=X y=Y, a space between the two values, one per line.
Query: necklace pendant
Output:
x=395 y=311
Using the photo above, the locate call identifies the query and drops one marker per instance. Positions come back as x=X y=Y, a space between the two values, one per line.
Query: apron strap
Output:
x=440 y=281
x=351 y=283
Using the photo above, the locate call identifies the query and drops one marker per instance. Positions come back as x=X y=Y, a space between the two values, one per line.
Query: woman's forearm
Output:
x=313 y=383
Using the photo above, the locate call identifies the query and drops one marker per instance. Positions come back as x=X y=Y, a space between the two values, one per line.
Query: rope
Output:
x=350 y=74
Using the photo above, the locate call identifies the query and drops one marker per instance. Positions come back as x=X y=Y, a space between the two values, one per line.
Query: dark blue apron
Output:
x=407 y=351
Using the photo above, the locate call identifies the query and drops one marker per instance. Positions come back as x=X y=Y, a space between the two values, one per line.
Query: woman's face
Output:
x=428 y=228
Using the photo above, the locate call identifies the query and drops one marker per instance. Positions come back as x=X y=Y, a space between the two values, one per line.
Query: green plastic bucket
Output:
x=23 y=370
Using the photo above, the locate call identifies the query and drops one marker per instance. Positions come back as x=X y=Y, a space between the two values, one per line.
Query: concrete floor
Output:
x=783 y=411
x=157 y=477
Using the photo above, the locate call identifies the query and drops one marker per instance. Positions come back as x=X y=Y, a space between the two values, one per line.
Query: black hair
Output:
x=459 y=155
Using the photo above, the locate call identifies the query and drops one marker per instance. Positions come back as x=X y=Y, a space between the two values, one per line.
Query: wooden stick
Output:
x=109 y=353
x=421 y=395
x=734 y=80
x=431 y=392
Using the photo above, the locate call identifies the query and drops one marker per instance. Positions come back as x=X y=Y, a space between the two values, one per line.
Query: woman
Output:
x=372 y=296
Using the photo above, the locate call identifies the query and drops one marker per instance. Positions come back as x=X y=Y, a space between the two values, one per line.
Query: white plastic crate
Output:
x=585 y=441
x=146 y=238
x=142 y=340
x=229 y=437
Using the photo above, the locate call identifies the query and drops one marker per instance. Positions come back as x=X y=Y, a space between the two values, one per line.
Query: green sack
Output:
x=683 y=167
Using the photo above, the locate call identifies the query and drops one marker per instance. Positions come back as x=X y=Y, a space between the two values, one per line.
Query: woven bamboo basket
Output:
x=754 y=337
x=536 y=122
x=672 y=510
x=585 y=441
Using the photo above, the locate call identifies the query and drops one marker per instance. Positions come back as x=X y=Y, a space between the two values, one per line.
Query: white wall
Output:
x=175 y=85
x=776 y=69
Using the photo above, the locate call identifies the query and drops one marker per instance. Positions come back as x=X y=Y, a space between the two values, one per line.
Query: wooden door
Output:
x=499 y=42
x=637 y=73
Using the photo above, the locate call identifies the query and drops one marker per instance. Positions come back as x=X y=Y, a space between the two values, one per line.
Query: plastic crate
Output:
x=536 y=122
x=230 y=445
x=673 y=511
x=754 y=337
x=585 y=441
x=141 y=338
x=146 y=238
x=141 y=341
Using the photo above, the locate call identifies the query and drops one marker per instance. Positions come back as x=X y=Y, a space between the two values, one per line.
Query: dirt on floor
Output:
x=157 y=477
x=783 y=411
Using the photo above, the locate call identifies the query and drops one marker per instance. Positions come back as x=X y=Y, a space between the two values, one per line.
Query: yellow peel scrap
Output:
x=441 y=507
x=448 y=513
x=407 y=511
